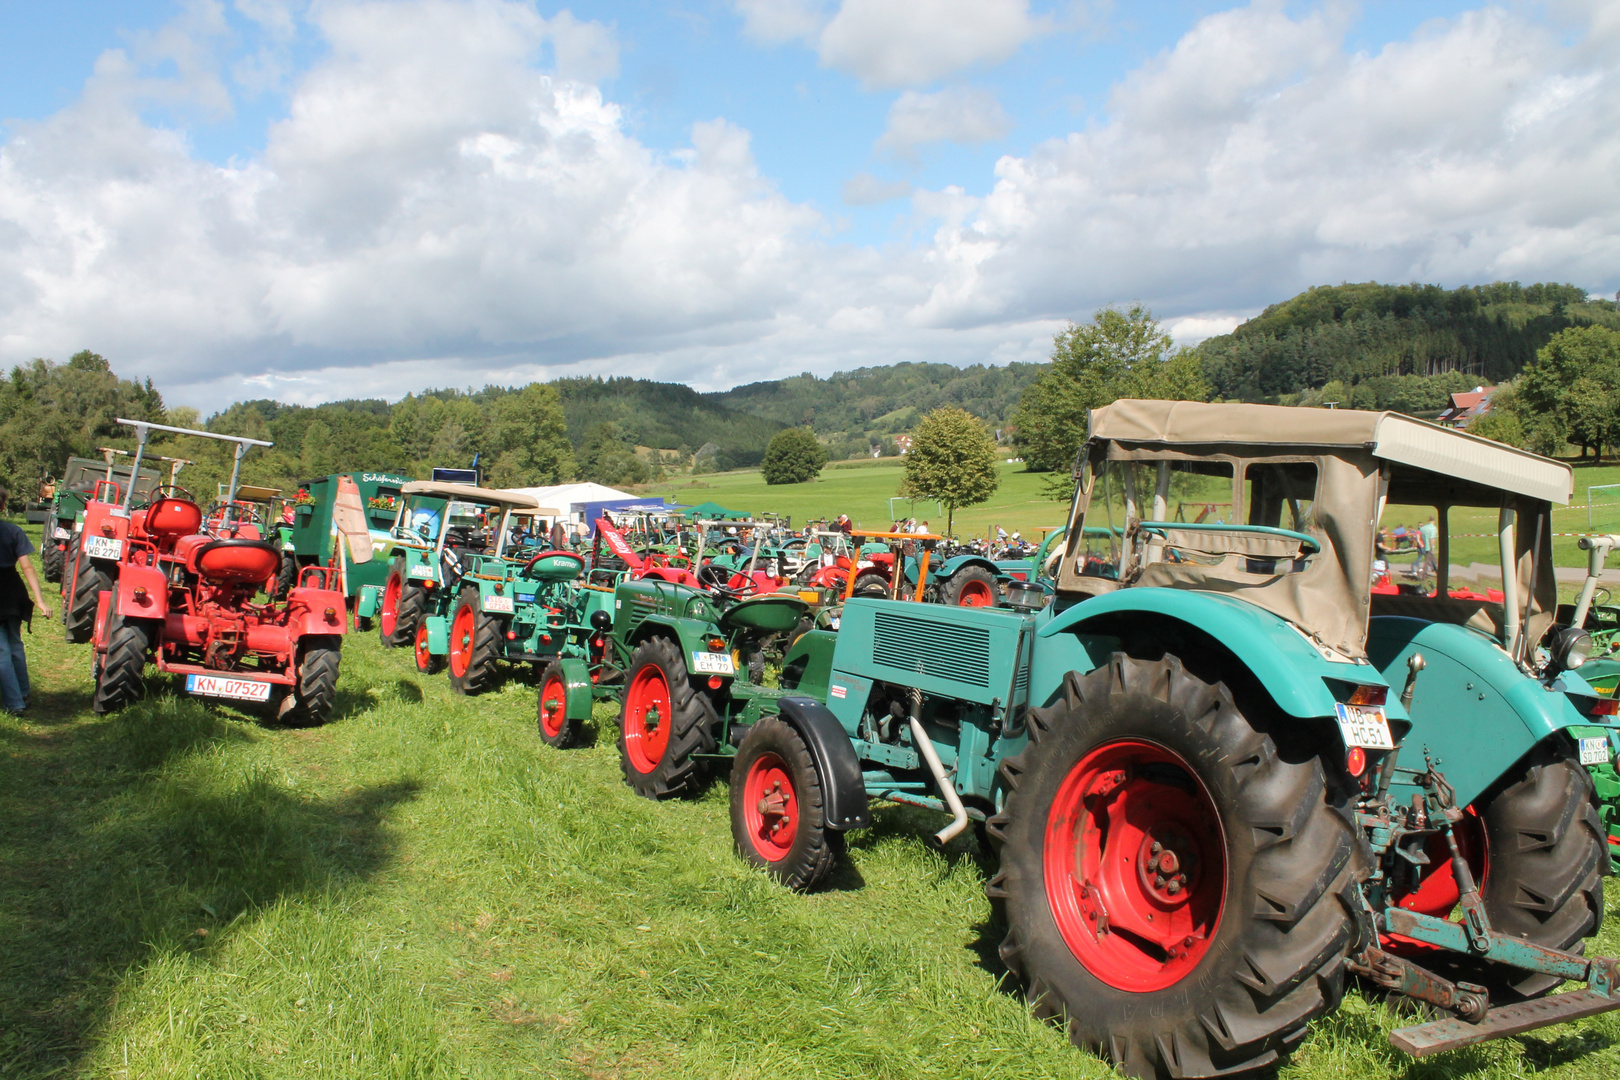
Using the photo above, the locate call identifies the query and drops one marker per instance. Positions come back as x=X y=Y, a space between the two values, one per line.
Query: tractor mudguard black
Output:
x=836 y=763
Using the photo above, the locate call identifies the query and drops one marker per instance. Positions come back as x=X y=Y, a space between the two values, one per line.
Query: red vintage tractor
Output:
x=186 y=598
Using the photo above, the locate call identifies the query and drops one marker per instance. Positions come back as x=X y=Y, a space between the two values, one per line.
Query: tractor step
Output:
x=1420 y=1040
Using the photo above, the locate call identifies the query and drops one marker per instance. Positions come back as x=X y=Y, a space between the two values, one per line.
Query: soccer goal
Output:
x=1603 y=508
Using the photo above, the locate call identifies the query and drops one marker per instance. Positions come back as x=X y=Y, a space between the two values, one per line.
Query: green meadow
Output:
x=422 y=889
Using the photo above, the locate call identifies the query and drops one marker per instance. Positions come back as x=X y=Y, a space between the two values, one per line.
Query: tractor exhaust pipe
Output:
x=925 y=747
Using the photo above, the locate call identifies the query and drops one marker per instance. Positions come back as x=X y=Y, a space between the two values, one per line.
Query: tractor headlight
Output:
x=1571 y=648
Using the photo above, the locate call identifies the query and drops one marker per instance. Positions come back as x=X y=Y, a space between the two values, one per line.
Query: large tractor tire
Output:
x=873 y=585
x=778 y=808
x=120 y=677
x=50 y=555
x=551 y=711
x=664 y=723
x=402 y=607
x=309 y=703
x=426 y=662
x=1537 y=846
x=89 y=579
x=971 y=586
x=475 y=645
x=1174 y=892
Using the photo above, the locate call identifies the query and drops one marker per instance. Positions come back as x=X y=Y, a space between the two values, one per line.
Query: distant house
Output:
x=1467 y=407
x=903 y=442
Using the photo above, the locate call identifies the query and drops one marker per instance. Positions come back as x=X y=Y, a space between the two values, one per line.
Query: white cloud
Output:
x=893 y=43
x=864 y=189
x=959 y=114
x=774 y=21
x=497 y=220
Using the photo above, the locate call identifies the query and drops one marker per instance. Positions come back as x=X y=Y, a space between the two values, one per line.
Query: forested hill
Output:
x=669 y=416
x=854 y=408
x=1352 y=334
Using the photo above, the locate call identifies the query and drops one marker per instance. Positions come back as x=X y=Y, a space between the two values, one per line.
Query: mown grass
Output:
x=422 y=889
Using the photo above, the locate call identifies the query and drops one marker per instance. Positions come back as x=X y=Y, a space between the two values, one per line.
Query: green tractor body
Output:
x=314 y=533
x=1219 y=773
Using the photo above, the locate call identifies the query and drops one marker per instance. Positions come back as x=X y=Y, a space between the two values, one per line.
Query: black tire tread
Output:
x=120 y=678
x=486 y=646
x=50 y=556
x=79 y=610
x=681 y=773
x=872 y=585
x=952 y=591
x=310 y=702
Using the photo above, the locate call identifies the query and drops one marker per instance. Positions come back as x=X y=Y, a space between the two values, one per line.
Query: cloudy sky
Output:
x=314 y=199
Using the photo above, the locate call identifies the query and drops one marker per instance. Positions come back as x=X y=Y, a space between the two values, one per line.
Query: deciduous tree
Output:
x=793 y=457
x=952 y=460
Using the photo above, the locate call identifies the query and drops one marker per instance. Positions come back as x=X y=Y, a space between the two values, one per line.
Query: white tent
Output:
x=572 y=498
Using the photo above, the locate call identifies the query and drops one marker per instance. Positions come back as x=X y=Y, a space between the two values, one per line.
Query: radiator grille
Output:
x=926 y=647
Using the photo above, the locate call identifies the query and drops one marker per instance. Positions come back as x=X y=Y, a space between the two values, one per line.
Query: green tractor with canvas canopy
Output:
x=1220 y=776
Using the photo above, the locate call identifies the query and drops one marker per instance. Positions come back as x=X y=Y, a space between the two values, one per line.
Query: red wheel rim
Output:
x=770 y=807
x=975 y=594
x=553 y=707
x=388 y=619
x=647 y=713
x=461 y=641
x=1437 y=894
x=424 y=659
x=1135 y=863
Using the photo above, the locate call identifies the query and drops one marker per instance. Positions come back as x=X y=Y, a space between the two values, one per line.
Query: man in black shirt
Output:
x=15 y=609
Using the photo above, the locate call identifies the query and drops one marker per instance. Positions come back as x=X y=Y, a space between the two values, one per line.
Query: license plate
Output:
x=103 y=547
x=1595 y=751
x=498 y=603
x=1365 y=726
x=713 y=663
x=236 y=689
x=421 y=570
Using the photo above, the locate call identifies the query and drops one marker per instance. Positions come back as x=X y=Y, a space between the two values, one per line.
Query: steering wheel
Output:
x=748 y=587
x=164 y=491
x=714 y=577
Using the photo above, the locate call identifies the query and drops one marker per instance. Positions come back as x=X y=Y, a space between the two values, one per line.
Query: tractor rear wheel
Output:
x=875 y=585
x=778 y=809
x=50 y=556
x=119 y=677
x=551 y=713
x=79 y=607
x=287 y=575
x=426 y=662
x=971 y=586
x=1538 y=849
x=1174 y=891
x=309 y=703
x=475 y=644
x=663 y=724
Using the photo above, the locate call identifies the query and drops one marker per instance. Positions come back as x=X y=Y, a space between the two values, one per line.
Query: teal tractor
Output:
x=1219 y=776
x=1594 y=612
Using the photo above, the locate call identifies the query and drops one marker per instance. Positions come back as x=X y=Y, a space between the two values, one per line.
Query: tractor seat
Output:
x=169 y=519
x=236 y=561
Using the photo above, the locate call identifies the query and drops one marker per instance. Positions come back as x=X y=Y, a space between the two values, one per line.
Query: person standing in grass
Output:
x=15 y=609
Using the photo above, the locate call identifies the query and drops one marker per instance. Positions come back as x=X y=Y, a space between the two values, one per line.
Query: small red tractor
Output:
x=186 y=598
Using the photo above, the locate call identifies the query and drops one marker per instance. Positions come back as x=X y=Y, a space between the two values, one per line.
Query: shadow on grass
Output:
x=132 y=837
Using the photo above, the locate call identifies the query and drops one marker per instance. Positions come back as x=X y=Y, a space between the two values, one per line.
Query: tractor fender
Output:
x=577 y=688
x=958 y=562
x=1283 y=661
x=153 y=602
x=836 y=764
x=308 y=612
x=1473 y=711
x=689 y=634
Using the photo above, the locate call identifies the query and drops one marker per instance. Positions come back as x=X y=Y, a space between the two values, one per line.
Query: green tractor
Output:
x=314 y=535
x=1208 y=808
x=1594 y=612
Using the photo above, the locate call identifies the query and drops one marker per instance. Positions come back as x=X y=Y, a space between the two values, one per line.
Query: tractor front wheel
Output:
x=426 y=662
x=287 y=575
x=475 y=644
x=873 y=585
x=778 y=809
x=403 y=605
x=664 y=723
x=1174 y=891
x=309 y=704
x=119 y=676
x=79 y=605
x=971 y=586
x=556 y=727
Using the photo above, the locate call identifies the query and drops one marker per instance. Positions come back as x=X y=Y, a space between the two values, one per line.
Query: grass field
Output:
x=861 y=490
x=422 y=889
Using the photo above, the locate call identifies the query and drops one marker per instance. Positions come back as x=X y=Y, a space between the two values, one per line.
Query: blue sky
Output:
x=340 y=194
